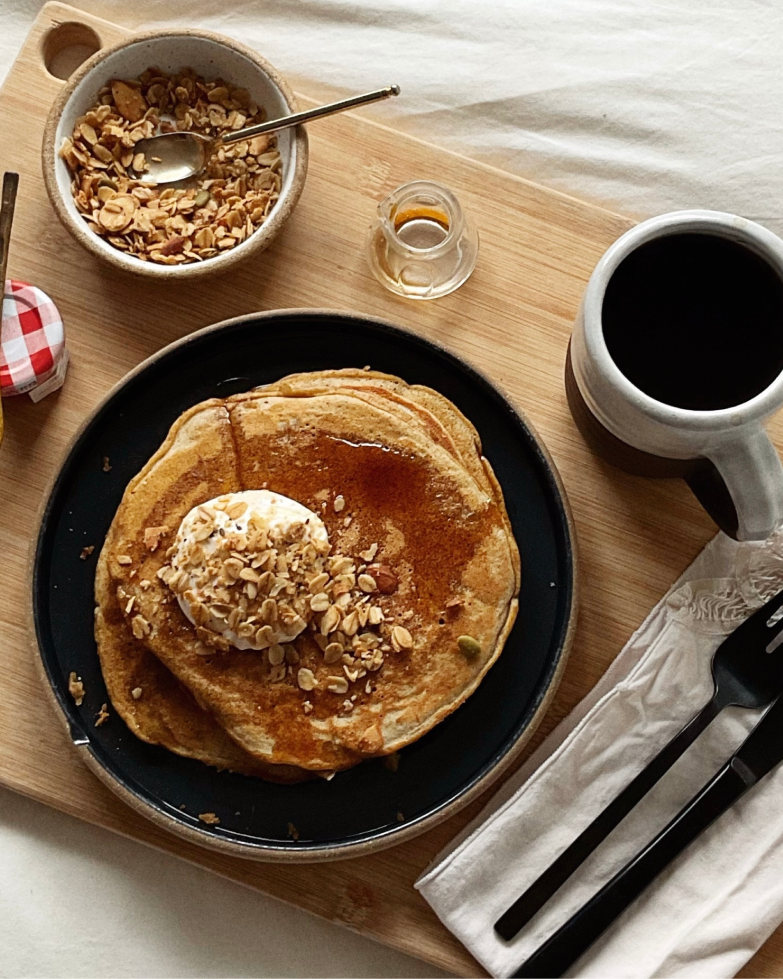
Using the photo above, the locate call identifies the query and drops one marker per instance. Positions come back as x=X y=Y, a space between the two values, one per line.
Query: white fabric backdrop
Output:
x=643 y=105
x=647 y=105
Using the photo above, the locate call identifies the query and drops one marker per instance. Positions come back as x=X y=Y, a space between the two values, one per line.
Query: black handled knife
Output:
x=761 y=751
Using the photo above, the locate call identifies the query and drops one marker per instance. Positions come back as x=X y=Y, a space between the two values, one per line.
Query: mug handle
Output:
x=744 y=492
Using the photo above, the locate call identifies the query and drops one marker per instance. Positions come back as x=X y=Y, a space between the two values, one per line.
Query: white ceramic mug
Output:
x=725 y=455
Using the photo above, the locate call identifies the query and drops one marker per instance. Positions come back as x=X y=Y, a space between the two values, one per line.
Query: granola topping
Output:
x=76 y=688
x=171 y=225
x=240 y=566
x=255 y=569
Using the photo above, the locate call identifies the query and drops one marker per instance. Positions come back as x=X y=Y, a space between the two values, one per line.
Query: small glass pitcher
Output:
x=421 y=244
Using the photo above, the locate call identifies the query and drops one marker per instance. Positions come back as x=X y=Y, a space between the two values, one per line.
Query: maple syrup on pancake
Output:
x=386 y=493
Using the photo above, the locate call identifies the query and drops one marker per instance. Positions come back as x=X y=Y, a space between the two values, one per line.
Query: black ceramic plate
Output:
x=368 y=806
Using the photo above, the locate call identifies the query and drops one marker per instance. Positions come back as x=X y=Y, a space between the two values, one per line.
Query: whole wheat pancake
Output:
x=439 y=417
x=163 y=712
x=441 y=531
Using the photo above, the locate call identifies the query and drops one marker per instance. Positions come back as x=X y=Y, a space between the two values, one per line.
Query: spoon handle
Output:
x=552 y=879
x=10 y=185
x=322 y=110
x=7 y=204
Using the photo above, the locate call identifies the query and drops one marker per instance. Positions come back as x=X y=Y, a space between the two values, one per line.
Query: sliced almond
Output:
x=350 y=624
x=117 y=213
x=130 y=103
x=103 y=153
x=89 y=134
x=330 y=620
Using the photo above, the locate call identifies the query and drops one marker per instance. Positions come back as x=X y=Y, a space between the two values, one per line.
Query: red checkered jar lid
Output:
x=33 y=357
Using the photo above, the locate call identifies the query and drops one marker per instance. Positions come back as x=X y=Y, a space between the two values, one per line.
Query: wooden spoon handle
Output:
x=10 y=187
x=7 y=203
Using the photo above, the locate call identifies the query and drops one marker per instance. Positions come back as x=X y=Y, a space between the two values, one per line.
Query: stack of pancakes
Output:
x=409 y=469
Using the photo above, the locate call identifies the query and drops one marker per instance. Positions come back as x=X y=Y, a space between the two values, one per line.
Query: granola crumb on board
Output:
x=76 y=688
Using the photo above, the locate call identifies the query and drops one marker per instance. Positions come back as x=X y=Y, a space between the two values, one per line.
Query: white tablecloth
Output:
x=645 y=106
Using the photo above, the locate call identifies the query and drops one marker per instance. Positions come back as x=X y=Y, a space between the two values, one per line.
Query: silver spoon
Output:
x=176 y=156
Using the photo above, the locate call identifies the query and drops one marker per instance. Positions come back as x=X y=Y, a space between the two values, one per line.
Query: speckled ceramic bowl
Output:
x=211 y=56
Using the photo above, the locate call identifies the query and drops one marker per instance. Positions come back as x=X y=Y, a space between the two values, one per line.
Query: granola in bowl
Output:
x=171 y=225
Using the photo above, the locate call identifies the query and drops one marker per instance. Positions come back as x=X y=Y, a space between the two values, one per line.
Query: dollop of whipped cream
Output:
x=238 y=563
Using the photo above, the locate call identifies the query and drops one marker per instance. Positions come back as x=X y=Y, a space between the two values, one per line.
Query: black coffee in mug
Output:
x=688 y=307
x=695 y=321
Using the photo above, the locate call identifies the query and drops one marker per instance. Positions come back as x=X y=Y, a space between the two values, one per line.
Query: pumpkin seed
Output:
x=469 y=646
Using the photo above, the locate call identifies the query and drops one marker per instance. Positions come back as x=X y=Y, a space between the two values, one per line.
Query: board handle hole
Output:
x=68 y=45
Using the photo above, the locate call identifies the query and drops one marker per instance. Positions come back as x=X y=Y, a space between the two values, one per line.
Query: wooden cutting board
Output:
x=512 y=319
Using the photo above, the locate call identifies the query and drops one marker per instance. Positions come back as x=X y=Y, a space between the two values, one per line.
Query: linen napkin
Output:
x=719 y=901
